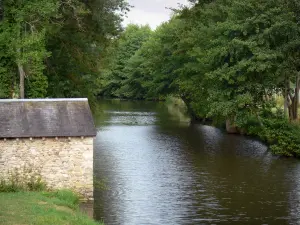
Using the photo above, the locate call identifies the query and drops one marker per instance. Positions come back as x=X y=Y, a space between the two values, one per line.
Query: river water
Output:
x=153 y=167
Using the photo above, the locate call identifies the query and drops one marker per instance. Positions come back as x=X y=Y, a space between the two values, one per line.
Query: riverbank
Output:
x=269 y=126
x=39 y=208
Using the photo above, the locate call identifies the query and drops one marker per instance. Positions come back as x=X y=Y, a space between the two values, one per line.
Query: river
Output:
x=152 y=167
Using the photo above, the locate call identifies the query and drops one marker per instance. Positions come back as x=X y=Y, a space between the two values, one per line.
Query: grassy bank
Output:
x=39 y=208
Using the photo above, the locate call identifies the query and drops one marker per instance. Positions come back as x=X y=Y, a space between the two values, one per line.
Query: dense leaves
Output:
x=79 y=43
x=227 y=60
x=115 y=80
x=53 y=48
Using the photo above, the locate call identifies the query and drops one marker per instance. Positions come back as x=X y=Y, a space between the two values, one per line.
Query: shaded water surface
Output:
x=158 y=169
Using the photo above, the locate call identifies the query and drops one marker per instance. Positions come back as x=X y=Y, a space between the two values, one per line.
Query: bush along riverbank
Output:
x=268 y=125
x=282 y=137
x=278 y=133
x=23 y=202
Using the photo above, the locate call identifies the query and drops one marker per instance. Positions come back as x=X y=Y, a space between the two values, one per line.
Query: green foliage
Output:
x=36 y=86
x=58 y=44
x=115 y=81
x=79 y=45
x=23 y=33
x=6 y=83
x=278 y=133
x=22 y=180
x=225 y=60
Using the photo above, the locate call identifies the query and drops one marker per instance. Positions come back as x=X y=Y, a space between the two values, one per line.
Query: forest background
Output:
x=235 y=63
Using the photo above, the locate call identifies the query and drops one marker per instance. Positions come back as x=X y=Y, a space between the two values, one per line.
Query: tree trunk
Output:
x=20 y=65
x=230 y=127
x=22 y=79
x=285 y=107
x=294 y=100
x=286 y=101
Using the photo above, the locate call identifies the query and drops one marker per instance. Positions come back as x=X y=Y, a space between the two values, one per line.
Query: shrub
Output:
x=282 y=137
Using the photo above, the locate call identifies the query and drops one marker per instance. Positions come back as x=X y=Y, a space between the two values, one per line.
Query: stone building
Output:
x=49 y=138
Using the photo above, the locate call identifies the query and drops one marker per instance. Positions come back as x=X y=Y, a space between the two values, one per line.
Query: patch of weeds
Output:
x=25 y=179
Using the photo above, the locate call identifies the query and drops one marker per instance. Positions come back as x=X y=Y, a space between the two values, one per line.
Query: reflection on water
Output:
x=161 y=171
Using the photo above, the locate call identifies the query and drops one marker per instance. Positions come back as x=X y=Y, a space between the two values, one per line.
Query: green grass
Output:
x=39 y=208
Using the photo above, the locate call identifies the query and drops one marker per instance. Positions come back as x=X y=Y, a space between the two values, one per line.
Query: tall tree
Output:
x=115 y=80
x=78 y=45
x=55 y=45
x=23 y=30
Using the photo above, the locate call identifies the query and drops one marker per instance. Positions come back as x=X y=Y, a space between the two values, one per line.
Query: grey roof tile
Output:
x=46 y=118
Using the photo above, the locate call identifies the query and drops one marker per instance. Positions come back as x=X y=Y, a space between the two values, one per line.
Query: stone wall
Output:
x=62 y=163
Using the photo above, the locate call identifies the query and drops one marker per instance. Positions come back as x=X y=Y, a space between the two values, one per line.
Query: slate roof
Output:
x=46 y=118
